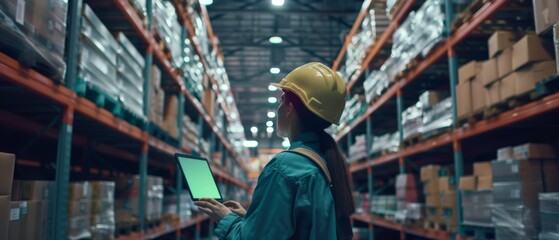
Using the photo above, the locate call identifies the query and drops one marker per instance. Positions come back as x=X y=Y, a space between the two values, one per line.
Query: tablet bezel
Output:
x=177 y=155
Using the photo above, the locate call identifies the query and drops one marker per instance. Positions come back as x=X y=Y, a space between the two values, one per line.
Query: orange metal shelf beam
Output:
x=481 y=15
x=354 y=28
x=418 y=231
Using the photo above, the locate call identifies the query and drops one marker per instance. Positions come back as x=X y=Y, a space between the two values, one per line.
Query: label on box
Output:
x=515 y=193
x=23 y=208
x=20 y=11
x=514 y=168
x=84 y=190
x=14 y=214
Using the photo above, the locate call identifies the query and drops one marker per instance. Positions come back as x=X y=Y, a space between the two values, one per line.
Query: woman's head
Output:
x=314 y=92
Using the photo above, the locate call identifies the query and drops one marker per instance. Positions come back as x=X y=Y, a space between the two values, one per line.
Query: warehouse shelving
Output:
x=78 y=111
x=447 y=144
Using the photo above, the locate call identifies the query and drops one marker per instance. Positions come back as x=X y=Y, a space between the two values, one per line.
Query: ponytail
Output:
x=337 y=166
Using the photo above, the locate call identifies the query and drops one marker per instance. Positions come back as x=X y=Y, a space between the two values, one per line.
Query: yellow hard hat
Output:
x=322 y=90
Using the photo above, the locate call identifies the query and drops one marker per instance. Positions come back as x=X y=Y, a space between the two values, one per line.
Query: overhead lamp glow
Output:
x=271 y=114
x=272 y=88
x=275 y=70
x=278 y=3
x=269 y=123
x=253 y=129
x=270 y=129
x=250 y=143
x=275 y=40
x=206 y=2
x=272 y=99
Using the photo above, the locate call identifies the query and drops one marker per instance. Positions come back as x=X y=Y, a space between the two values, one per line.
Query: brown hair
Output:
x=341 y=185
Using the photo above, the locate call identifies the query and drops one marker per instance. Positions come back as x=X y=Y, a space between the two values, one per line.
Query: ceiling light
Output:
x=272 y=88
x=271 y=114
x=250 y=143
x=233 y=115
x=275 y=40
x=270 y=129
x=269 y=123
x=278 y=3
x=207 y=2
x=253 y=129
x=274 y=70
x=229 y=99
x=272 y=99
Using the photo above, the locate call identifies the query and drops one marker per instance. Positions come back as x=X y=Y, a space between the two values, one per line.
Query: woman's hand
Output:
x=213 y=208
x=236 y=208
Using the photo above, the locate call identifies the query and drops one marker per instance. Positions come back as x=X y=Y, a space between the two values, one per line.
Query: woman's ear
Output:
x=290 y=109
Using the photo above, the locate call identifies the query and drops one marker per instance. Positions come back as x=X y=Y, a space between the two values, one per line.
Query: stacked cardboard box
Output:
x=406 y=190
x=384 y=205
x=170 y=115
x=79 y=206
x=549 y=215
x=128 y=197
x=190 y=133
x=169 y=30
x=102 y=210
x=156 y=97
x=7 y=162
x=39 y=35
x=208 y=100
x=130 y=71
x=546 y=13
x=477 y=196
x=517 y=183
x=35 y=196
x=469 y=84
x=98 y=54
x=358 y=150
x=439 y=187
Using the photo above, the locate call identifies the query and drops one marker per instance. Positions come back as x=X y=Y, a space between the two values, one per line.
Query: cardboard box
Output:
x=493 y=94
x=468 y=183
x=430 y=172
x=488 y=73
x=482 y=169
x=504 y=153
x=79 y=191
x=527 y=78
x=18 y=211
x=209 y=101
x=515 y=170
x=405 y=181
x=484 y=183
x=534 y=151
x=546 y=13
x=504 y=63
x=528 y=50
x=35 y=190
x=478 y=95
x=514 y=194
x=434 y=214
x=431 y=187
x=433 y=200
x=448 y=199
x=4 y=216
x=447 y=184
x=468 y=71
x=7 y=163
x=34 y=224
x=464 y=99
x=79 y=208
x=507 y=87
x=449 y=217
x=499 y=41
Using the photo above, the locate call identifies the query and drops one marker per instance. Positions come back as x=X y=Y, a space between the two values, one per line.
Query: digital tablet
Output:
x=199 y=177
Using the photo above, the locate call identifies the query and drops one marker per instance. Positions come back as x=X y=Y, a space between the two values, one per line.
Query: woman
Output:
x=293 y=199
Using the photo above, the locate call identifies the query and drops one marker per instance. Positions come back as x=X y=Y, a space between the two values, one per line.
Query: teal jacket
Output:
x=292 y=200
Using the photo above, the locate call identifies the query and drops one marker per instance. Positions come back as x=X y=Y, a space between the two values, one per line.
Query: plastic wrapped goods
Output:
x=438 y=118
x=412 y=120
x=358 y=150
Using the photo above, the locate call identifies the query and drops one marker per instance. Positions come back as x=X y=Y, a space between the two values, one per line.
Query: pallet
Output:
x=479 y=233
x=134 y=119
x=413 y=139
x=435 y=133
x=542 y=89
x=436 y=226
x=467 y=14
x=471 y=118
x=126 y=228
x=98 y=97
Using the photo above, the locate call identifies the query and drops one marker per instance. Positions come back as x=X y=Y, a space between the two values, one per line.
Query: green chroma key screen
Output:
x=199 y=178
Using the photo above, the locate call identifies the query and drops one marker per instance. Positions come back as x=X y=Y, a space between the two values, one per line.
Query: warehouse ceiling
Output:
x=311 y=30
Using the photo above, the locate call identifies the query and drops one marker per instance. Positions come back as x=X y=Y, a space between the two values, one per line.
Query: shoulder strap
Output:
x=316 y=159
